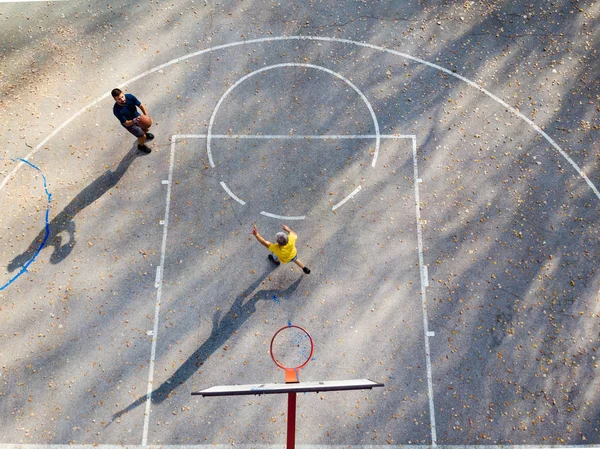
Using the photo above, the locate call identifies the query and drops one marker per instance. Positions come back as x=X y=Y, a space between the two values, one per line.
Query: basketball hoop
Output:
x=291 y=349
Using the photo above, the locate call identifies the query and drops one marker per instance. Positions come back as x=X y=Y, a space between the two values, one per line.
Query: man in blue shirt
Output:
x=125 y=109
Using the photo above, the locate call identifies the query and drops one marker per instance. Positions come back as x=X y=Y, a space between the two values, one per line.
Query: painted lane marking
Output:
x=279 y=446
x=157 y=279
x=299 y=136
x=423 y=272
x=341 y=203
x=283 y=217
x=231 y=194
x=289 y=64
x=158 y=285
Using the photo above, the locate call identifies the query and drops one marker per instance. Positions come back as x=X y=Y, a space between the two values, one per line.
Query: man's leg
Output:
x=149 y=136
x=301 y=265
x=141 y=135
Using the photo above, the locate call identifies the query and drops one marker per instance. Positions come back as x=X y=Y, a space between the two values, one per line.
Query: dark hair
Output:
x=116 y=92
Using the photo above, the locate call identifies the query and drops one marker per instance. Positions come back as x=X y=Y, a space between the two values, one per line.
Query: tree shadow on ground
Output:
x=222 y=329
x=65 y=220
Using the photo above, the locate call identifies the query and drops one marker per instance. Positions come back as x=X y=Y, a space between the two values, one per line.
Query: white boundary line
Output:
x=298 y=136
x=424 y=283
x=289 y=64
x=282 y=446
x=158 y=284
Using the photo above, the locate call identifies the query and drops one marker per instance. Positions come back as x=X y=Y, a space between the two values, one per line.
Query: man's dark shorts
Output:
x=135 y=130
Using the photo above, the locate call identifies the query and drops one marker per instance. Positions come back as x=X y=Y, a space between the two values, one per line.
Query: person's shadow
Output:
x=242 y=309
x=64 y=221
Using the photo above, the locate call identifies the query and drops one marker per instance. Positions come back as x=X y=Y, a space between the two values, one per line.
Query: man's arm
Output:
x=143 y=108
x=287 y=229
x=262 y=241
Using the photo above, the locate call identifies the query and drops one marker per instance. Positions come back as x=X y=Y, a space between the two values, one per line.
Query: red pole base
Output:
x=291 y=424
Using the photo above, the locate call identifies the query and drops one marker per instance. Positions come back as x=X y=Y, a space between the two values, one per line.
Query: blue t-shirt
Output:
x=128 y=111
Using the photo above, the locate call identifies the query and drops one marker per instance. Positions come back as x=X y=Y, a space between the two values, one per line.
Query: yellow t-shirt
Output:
x=287 y=252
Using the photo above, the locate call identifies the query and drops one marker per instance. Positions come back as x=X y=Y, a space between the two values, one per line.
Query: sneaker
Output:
x=306 y=270
x=144 y=148
x=272 y=259
x=149 y=136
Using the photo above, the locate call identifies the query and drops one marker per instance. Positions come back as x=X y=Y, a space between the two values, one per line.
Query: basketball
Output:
x=144 y=121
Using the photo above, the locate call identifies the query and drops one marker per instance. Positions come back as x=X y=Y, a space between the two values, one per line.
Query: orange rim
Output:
x=289 y=368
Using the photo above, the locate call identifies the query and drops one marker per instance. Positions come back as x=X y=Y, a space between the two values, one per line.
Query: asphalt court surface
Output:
x=509 y=235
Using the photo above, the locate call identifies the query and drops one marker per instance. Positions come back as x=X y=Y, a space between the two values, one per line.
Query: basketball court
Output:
x=451 y=243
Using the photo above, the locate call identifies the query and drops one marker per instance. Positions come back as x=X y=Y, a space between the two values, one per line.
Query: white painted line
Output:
x=280 y=446
x=341 y=203
x=282 y=217
x=424 y=295
x=297 y=136
x=231 y=194
x=289 y=64
x=157 y=280
x=430 y=334
x=163 y=251
x=425 y=276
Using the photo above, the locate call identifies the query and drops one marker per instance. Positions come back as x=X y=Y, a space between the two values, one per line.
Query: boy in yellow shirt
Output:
x=284 y=250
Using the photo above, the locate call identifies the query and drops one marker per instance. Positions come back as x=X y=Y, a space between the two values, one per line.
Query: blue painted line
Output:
x=30 y=261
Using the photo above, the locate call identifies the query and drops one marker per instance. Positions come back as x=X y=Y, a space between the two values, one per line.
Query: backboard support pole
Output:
x=291 y=424
x=291 y=389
